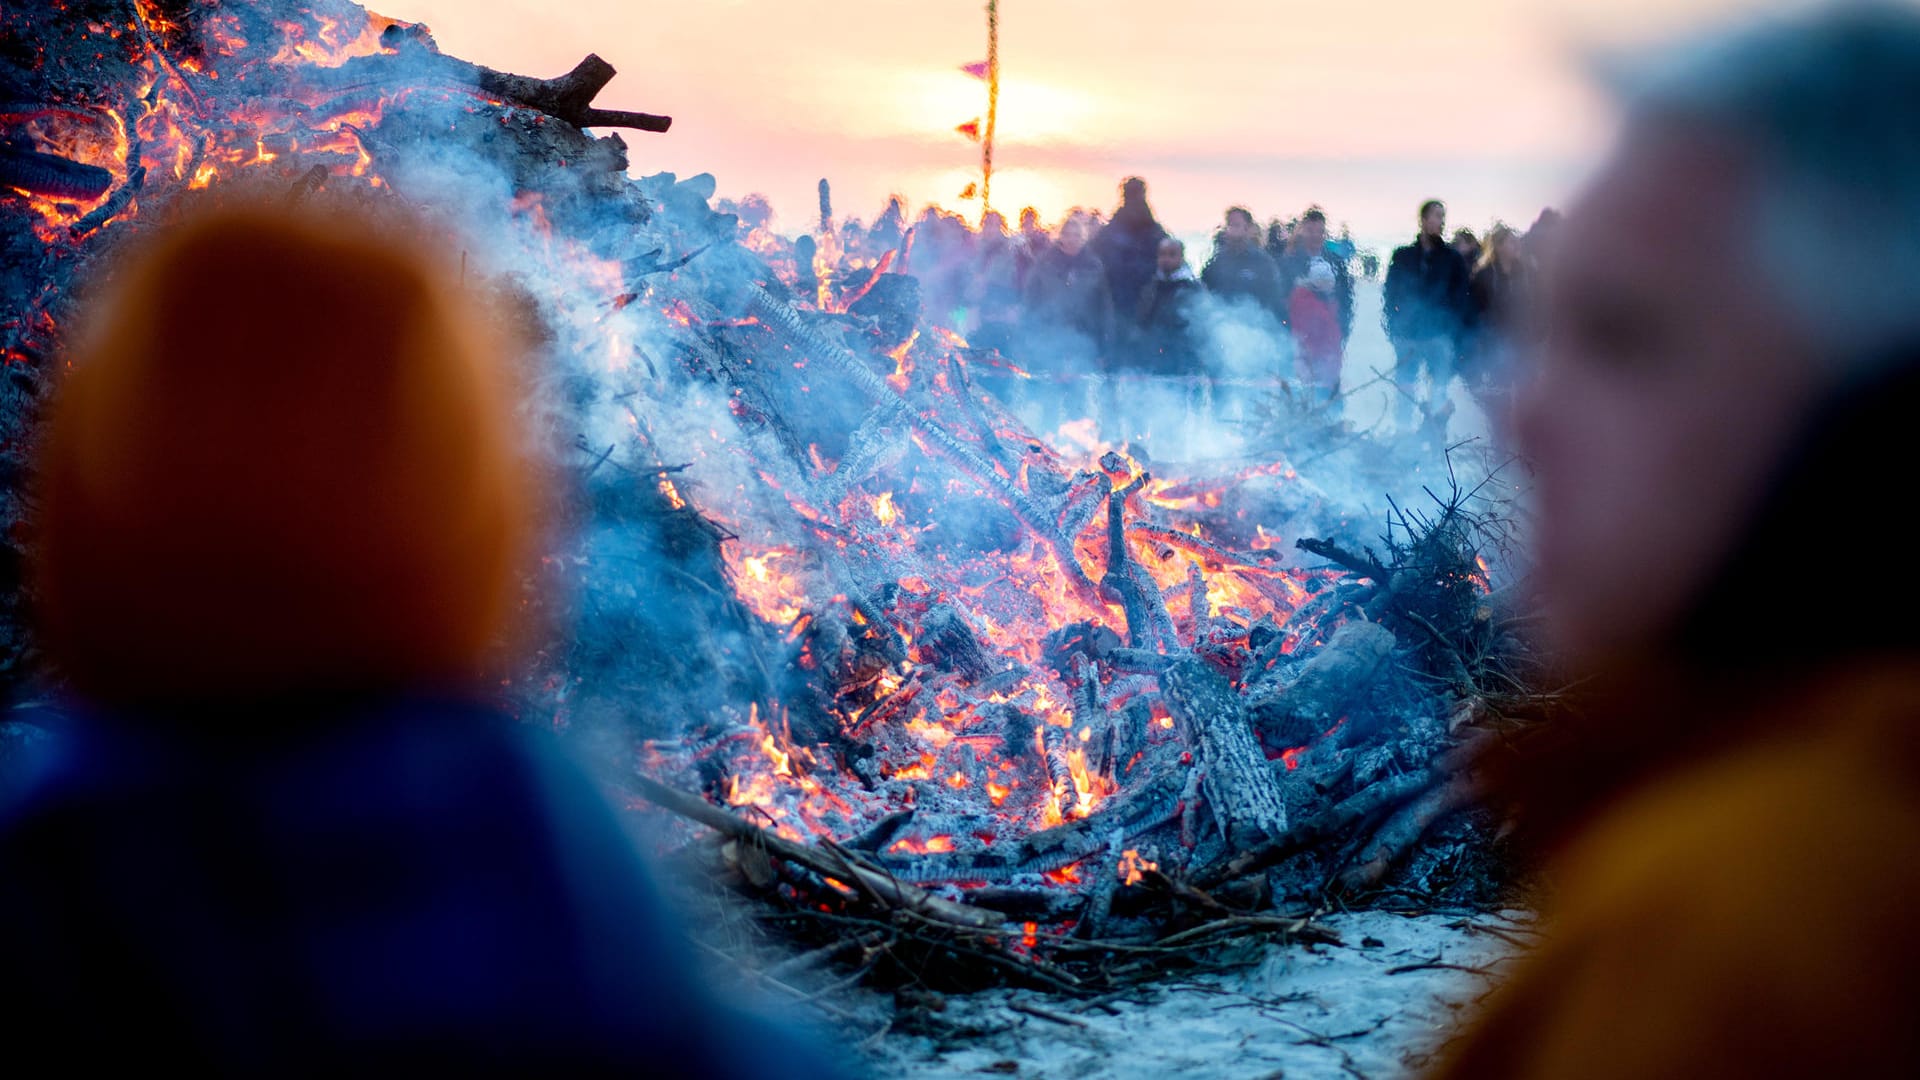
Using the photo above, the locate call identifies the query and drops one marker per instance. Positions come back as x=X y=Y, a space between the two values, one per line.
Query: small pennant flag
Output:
x=977 y=69
x=971 y=191
x=971 y=129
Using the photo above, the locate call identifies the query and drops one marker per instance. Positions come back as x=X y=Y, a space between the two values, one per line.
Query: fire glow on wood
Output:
x=1017 y=674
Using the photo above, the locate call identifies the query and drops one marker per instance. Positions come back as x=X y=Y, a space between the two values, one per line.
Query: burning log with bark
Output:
x=902 y=669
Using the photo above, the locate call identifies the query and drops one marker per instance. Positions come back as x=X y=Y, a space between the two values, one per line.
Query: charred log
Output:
x=568 y=97
x=1402 y=831
x=1149 y=627
x=1240 y=787
x=1341 y=820
x=826 y=862
x=51 y=176
x=1337 y=677
x=944 y=633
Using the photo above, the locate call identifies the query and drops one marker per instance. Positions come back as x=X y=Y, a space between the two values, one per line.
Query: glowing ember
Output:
x=1134 y=869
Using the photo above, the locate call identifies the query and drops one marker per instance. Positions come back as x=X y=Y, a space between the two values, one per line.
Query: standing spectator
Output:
x=890 y=228
x=1067 y=291
x=1278 y=235
x=1309 y=242
x=1319 y=303
x=1538 y=243
x=1468 y=245
x=1032 y=242
x=1500 y=290
x=1163 y=308
x=1129 y=246
x=993 y=292
x=806 y=279
x=1240 y=267
x=1425 y=312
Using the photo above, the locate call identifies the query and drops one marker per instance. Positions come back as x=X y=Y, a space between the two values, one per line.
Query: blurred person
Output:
x=1468 y=245
x=806 y=278
x=1539 y=242
x=993 y=298
x=1732 y=815
x=1129 y=245
x=1032 y=243
x=1313 y=320
x=1425 y=311
x=1279 y=234
x=940 y=254
x=1240 y=267
x=993 y=290
x=283 y=515
x=1319 y=303
x=1067 y=325
x=1067 y=288
x=889 y=230
x=1500 y=319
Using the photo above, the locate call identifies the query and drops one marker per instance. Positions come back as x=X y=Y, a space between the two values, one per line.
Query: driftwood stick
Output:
x=887 y=890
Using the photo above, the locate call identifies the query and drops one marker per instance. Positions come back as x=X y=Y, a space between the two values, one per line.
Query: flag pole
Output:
x=993 y=107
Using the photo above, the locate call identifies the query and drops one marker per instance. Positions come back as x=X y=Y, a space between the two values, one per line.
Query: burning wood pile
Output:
x=949 y=696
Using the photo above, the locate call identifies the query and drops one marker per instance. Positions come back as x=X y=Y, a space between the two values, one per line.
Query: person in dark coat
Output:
x=285 y=833
x=1164 y=310
x=1129 y=245
x=1307 y=249
x=1067 y=290
x=1240 y=267
x=1425 y=310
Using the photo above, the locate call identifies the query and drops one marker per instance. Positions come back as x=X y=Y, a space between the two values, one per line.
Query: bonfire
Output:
x=935 y=689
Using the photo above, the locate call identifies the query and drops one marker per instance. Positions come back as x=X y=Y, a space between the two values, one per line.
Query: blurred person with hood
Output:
x=1733 y=813
x=1425 y=312
x=1129 y=245
x=284 y=513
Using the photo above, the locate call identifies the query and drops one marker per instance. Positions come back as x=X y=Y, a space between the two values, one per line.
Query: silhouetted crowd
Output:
x=1119 y=298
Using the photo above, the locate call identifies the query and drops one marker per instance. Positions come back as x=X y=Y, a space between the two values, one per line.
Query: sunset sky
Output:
x=1367 y=106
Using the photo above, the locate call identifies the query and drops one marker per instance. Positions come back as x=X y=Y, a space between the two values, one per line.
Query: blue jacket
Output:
x=403 y=886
